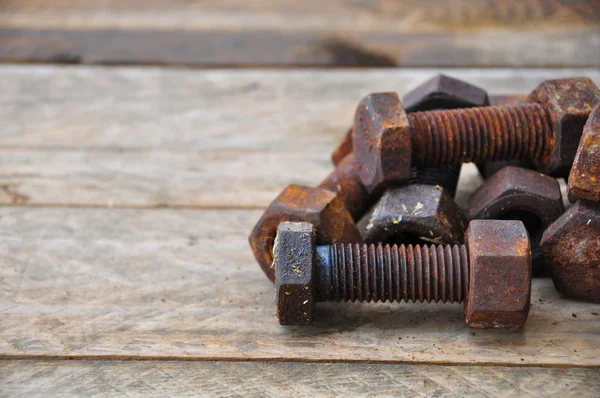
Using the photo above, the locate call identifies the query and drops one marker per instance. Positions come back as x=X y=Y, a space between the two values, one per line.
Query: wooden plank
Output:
x=274 y=379
x=125 y=137
x=385 y=33
x=204 y=179
x=182 y=284
x=149 y=179
x=157 y=108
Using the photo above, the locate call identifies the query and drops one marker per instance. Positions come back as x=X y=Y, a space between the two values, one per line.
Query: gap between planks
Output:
x=181 y=358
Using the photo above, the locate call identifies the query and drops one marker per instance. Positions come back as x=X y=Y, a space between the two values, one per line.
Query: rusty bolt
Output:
x=571 y=245
x=332 y=207
x=489 y=168
x=491 y=274
x=415 y=213
x=439 y=92
x=387 y=141
x=584 y=180
x=519 y=194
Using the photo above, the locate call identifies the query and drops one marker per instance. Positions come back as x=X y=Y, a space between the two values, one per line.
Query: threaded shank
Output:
x=361 y=272
x=478 y=134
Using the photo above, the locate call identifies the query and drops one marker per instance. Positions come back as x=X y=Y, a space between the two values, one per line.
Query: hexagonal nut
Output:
x=514 y=193
x=499 y=274
x=324 y=209
x=584 y=180
x=571 y=246
x=569 y=103
x=412 y=214
x=444 y=92
x=382 y=141
x=294 y=259
x=345 y=182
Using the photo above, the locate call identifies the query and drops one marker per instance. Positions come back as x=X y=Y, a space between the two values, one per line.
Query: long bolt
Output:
x=375 y=272
x=491 y=274
x=477 y=134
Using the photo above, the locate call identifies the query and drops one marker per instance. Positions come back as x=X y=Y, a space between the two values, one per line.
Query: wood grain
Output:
x=167 y=109
x=182 y=284
x=342 y=33
x=131 y=137
x=274 y=379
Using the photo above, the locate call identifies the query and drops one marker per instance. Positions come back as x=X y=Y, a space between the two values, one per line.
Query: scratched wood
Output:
x=158 y=108
x=341 y=33
x=130 y=137
x=174 y=284
x=275 y=379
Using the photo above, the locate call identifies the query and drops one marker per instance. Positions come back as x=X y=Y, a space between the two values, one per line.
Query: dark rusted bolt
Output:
x=332 y=207
x=489 y=168
x=571 y=245
x=414 y=214
x=491 y=274
x=388 y=142
x=519 y=194
x=439 y=92
x=584 y=180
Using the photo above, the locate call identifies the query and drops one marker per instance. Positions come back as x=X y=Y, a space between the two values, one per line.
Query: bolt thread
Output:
x=376 y=272
x=477 y=134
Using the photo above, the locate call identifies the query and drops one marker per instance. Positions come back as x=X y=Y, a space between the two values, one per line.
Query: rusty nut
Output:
x=584 y=180
x=514 y=193
x=414 y=214
x=444 y=92
x=499 y=274
x=569 y=103
x=325 y=209
x=295 y=282
x=571 y=245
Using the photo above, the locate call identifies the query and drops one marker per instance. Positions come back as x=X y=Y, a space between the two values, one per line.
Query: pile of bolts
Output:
x=384 y=226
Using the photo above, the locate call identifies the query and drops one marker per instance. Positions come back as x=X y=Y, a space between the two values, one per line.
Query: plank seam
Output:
x=18 y=357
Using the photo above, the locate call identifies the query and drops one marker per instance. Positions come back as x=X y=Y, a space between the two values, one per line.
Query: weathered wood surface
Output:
x=131 y=137
x=172 y=284
x=30 y=378
x=339 y=33
x=157 y=108
x=102 y=285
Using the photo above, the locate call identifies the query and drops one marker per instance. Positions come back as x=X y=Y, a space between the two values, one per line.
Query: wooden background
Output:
x=128 y=189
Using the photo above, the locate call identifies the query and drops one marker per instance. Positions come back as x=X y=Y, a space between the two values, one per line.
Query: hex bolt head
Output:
x=295 y=282
x=584 y=180
x=382 y=141
x=500 y=274
x=571 y=245
x=569 y=103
